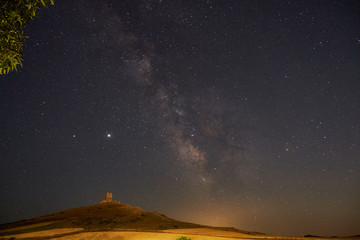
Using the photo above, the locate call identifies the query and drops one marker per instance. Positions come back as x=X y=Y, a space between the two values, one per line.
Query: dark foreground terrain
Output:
x=121 y=221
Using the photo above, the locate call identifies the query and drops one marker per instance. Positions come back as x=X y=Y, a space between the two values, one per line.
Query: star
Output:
x=108 y=135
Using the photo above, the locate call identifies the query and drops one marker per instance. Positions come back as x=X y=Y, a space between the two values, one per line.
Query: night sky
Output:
x=229 y=113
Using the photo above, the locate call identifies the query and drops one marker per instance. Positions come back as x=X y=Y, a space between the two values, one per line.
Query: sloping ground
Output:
x=112 y=235
x=141 y=236
x=44 y=234
x=214 y=232
x=193 y=234
x=101 y=217
x=111 y=219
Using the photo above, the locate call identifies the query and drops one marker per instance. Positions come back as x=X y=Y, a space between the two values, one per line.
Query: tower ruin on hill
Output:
x=108 y=198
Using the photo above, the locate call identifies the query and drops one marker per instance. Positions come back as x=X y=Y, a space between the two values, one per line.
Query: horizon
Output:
x=180 y=219
x=226 y=113
x=121 y=203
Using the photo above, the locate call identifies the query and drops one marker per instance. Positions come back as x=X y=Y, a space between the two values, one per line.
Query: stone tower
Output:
x=108 y=198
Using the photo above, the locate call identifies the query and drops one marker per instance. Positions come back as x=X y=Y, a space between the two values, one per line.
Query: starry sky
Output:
x=228 y=113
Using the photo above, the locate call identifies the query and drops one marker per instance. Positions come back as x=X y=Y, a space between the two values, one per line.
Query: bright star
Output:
x=108 y=135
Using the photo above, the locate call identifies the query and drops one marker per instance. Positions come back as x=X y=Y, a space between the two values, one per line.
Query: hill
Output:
x=102 y=218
